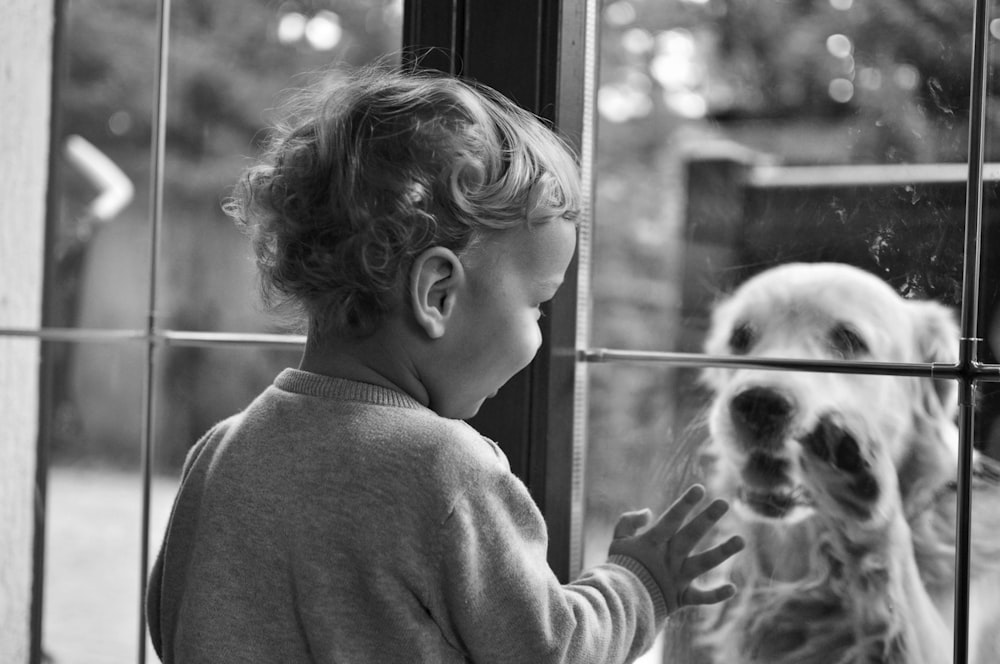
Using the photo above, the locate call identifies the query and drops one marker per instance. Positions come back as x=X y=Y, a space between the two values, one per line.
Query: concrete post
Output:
x=26 y=34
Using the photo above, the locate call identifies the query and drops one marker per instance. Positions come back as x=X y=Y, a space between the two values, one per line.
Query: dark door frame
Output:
x=532 y=51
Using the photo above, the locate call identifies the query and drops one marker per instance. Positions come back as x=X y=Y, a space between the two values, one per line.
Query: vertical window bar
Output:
x=149 y=373
x=49 y=315
x=581 y=402
x=968 y=349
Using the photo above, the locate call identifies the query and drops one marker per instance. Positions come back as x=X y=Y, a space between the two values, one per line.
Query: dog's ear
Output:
x=937 y=339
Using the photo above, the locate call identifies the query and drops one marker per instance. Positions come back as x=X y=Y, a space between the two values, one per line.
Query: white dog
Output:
x=844 y=485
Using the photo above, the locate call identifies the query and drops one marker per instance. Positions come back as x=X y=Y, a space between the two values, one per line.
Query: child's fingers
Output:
x=672 y=519
x=630 y=523
x=700 y=563
x=694 y=530
x=694 y=595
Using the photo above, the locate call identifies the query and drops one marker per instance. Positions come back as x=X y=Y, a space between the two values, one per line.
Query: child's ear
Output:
x=435 y=278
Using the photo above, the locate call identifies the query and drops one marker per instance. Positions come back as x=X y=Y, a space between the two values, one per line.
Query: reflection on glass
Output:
x=229 y=62
x=843 y=486
x=645 y=427
x=734 y=136
x=830 y=311
x=989 y=318
x=738 y=136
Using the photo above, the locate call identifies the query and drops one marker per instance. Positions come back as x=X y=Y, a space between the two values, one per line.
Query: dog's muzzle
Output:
x=762 y=418
x=761 y=415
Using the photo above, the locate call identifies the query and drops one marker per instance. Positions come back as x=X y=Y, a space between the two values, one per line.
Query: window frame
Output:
x=536 y=417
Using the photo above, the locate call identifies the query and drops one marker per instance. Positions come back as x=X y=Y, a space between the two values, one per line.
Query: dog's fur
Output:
x=843 y=485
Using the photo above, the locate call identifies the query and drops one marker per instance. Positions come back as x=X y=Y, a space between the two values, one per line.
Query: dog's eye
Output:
x=847 y=341
x=741 y=339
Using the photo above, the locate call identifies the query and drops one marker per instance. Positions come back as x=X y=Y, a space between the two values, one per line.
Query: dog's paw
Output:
x=840 y=471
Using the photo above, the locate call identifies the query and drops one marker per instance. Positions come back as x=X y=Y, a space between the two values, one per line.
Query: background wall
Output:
x=25 y=79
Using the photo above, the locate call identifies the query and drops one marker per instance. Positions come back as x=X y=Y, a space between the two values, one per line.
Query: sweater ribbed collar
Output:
x=329 y=387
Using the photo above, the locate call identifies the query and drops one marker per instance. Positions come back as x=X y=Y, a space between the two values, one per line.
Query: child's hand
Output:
x=665 y=548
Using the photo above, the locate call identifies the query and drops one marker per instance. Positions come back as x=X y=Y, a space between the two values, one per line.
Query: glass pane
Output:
x=989 y=320
x=734 y=136
x=94 y=517
x=105 y=88
x=230 y=62
x=988 y=433
x=827 y=493
x=985 y=499
x=92 y=410
x=91 y=605
x=645 y=429
x=93 y=506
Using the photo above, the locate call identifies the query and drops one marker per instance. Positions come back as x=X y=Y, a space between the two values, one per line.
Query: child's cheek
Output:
x=535 y=340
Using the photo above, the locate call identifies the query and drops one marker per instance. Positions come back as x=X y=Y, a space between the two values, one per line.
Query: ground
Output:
x=91 y=604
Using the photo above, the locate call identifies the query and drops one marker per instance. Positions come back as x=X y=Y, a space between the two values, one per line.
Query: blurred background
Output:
x=229 y=62
x=731 y=135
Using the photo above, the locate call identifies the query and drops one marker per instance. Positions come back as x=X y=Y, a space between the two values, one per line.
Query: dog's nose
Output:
x=761 y=411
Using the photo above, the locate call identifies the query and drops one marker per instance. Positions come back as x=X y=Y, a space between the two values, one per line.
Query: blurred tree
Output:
x=229 y=62
x=895 y=71
x=227 y=65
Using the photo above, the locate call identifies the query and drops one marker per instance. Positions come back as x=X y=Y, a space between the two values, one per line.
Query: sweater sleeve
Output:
x=154 y=590
x=505 y=603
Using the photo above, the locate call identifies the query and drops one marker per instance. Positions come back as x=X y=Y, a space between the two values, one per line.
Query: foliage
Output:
x=901 y=67
x=226 y=71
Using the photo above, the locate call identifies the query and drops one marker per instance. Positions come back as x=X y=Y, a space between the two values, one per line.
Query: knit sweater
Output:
x=336 y=521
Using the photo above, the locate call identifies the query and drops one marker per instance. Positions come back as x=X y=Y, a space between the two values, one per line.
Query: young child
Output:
x=349 y=514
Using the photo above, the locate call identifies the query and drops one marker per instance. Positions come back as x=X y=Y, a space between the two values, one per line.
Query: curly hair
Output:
x=372 y=167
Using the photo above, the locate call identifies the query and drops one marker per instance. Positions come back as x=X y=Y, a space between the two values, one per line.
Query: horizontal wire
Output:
x=916 y=369
x=160 y=337
x=767 y=176
x=179 y=338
